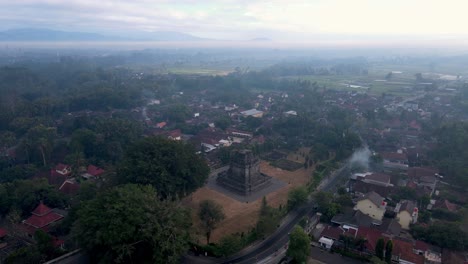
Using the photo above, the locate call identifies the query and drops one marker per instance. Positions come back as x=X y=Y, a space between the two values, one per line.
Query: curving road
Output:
x=280 y=238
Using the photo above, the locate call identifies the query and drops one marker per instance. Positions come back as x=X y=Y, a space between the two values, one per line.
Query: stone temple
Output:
x=243 y=176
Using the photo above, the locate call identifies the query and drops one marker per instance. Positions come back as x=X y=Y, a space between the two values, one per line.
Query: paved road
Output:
x=273 y=244
x=280 y=238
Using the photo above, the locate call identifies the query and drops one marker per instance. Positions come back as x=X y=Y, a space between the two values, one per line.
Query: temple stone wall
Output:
x=244 y=176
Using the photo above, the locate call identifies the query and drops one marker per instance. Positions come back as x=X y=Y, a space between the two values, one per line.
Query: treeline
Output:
x=356 y=66
x=451 y=154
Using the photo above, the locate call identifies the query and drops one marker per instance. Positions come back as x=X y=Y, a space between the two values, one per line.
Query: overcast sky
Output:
x=244 y=19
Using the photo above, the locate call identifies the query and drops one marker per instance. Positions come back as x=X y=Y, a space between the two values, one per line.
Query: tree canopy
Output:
x=210 y=214
x=171 y=167
x=297 y=197
x=130 y=223
x=299 y=245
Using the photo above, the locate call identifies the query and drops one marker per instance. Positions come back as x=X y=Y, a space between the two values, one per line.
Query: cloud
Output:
x=242 y=18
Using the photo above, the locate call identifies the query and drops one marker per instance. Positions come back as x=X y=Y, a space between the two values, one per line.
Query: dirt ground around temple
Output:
x=242 y=217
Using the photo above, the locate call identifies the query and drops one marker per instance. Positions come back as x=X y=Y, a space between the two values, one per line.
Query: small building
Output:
x=175 y=134
x=372 y=204
x=70 y=187
x=161 y=124
x=381 y=179
x=42 y=218
x=326 y=242
x=92 y=172
x=239 y=133
x=252 y=112
x=406 y=213
x=290 y=113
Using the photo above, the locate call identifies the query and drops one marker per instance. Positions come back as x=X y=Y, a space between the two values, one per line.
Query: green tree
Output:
x=376 y=260
x=388 y=251
x=268 y=220
x=323 y=200
x=379 y=248
x=223 y=122
x=171 y=167
x=299 y=245
x=297 y=197
x=230 y=244
x=210 y=214
x=43 y=138
x=130 y=223
x=44 y=244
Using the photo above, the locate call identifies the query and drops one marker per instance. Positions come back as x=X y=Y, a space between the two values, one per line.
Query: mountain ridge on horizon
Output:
x=44 y=34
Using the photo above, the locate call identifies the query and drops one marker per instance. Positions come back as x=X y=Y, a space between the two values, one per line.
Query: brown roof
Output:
x=332 y=232
x=394 y=156
x=408 y=206
x=404 y=250
x=380 y=177
x=417 y=172
x=364 y=187
x=374 y=197
x=445 y=204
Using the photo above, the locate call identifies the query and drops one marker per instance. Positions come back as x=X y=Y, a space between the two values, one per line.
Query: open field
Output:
x=199 y=71
x=242 y=217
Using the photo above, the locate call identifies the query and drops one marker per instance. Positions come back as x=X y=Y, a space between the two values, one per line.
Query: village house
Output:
x=92 y=172
x=406 y=213
x=380 y=179
x=174 y=134
x=42 y=218
x=70 y=187
x=252 y=112
x=59 y=174
x=395 y=160
x=372 y=204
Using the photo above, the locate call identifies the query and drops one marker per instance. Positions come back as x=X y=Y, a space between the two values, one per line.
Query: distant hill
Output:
x=260 y=39
x=29 y=34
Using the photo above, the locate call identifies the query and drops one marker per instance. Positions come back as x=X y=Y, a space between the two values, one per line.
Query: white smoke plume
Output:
x=361 y=158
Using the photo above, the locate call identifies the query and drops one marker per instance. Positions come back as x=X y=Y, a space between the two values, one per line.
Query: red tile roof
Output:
x=69 y=187
x=332 y=232
x=57 y=242
x=371 y=235
x=56 y=178
x=42 y=221
x=445 y=204
x=404 y=250
x=161 y=124
x=41 y=209
x=420 y=245
x=95 y=171
x=61 y=166
x=3 y=232
x=174 y=133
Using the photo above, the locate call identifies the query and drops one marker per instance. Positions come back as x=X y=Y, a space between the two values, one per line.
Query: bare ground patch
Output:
x=242 y=217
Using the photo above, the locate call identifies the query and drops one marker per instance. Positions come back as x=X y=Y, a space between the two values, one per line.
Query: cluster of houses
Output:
x=373 y=218
x=44 y=217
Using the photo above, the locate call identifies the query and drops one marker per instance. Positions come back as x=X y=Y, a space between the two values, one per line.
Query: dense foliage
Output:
x=299 y=245
x=451 y=153
x=442 y=234
x=130 y=223
x=171 y=167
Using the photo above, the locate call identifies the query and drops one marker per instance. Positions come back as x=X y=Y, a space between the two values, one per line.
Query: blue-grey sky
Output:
x=244 y=19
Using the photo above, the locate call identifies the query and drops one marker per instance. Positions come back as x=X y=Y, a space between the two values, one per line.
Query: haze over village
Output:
x=234 y=132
